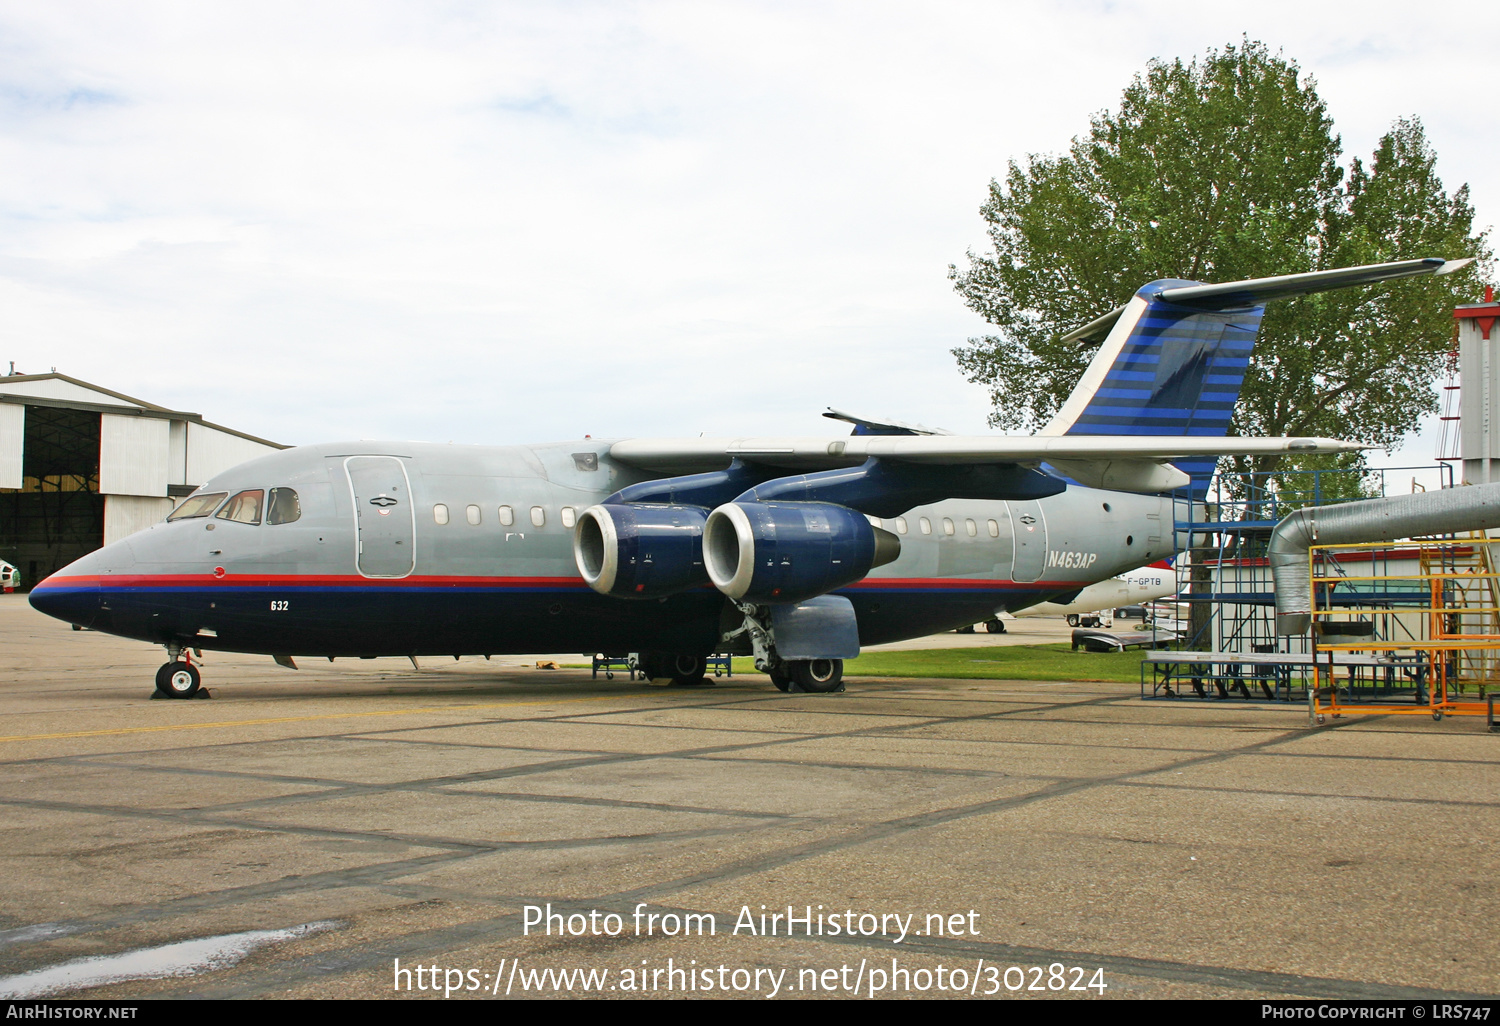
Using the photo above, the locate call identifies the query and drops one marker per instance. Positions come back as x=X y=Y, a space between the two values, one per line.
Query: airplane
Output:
x=1132 y=588
x=796 y=550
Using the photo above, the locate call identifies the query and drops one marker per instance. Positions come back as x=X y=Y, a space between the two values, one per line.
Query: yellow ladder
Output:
x=1468 y=572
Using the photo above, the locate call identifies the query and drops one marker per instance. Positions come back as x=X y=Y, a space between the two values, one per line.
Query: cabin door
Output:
x=1030 y=528
x=384 y=515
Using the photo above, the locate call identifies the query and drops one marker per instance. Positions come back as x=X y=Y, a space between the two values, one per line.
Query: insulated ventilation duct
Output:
x=1470 y=508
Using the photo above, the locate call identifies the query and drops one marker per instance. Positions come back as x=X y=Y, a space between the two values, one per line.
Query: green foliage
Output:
x=1217 y=170
x=1300 y=480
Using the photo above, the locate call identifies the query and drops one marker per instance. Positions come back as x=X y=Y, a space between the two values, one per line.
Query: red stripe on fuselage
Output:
x=301 y=580
x=426 y=581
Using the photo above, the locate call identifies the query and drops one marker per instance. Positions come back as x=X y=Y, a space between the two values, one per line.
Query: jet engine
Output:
x=767 y=552
x=640 y=550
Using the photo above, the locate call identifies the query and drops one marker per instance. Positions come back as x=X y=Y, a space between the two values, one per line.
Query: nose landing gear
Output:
x=178 y=677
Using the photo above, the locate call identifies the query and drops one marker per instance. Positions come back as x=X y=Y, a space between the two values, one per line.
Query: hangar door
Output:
x=383 y=515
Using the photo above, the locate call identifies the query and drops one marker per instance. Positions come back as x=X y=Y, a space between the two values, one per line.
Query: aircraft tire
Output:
x=819 y=676
x=686 y=670
x=781 y=680
x=178 y=680
x=967 y=628
x=994 y=627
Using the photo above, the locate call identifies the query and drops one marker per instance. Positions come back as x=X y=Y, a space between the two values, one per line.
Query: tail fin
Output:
x=1173 y=359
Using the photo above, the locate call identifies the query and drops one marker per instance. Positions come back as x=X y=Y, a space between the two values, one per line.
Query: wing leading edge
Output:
x=684 y=455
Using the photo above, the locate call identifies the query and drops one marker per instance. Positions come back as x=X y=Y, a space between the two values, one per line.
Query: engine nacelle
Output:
x=640 y=550
x=791 y=551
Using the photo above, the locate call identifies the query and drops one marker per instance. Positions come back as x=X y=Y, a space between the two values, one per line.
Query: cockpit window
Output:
x=197 y=506
x=283 y=507
x=244 y=508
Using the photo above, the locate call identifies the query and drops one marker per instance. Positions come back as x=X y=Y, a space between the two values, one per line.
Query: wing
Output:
x=1126 y=462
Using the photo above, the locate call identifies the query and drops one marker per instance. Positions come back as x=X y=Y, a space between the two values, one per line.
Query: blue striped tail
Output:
x=1165 y=369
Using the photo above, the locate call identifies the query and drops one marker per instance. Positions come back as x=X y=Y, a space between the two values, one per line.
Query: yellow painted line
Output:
x=299 y=719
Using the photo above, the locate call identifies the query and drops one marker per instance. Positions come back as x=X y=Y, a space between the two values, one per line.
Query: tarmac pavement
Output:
x=302 y=831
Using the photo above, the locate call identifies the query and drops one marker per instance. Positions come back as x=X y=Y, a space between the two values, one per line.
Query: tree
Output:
x=1217 y=170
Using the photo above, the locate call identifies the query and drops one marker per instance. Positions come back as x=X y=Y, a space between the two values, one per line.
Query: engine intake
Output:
x=790 y=551
x=642 y=550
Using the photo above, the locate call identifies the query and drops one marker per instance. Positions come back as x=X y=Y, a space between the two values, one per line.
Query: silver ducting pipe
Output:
x=1469 y=508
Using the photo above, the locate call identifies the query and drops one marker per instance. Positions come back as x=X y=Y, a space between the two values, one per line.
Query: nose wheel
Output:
x=178 y=677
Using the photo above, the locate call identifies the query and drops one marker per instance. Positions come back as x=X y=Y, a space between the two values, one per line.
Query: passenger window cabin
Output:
x=440 y=514
x=471 y=514
x=569 y=516
x=538 y=517
x=924 y=525
x=507 y=516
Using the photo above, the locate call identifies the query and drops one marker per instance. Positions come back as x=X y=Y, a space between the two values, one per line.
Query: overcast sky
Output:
x=509 y=222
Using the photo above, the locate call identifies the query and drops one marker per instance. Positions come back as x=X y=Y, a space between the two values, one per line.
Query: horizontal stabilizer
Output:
x=867 y=426
x=1260 y=290
x=1096 y=330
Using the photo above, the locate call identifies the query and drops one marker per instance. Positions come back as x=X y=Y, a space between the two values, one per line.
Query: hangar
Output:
x=82 y=466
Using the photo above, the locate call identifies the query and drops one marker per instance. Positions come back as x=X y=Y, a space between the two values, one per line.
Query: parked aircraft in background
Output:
x=1139 y=586
x=796 y=549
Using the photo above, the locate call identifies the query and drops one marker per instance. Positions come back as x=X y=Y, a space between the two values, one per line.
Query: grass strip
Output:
x=1002 y=662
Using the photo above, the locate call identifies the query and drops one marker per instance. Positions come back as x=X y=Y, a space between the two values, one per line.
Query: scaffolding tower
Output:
x=1225 y=581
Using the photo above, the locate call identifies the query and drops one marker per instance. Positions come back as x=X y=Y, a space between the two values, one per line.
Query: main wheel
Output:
x=178 y=680
x=817 y=675
x=781 y=680
x=994 y=626
x=967 y=628
x=686 y=670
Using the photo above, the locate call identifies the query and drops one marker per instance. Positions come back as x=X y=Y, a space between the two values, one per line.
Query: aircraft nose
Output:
x=72 y=598
x=72 y=594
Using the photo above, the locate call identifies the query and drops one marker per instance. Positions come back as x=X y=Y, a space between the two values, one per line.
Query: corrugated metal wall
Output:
x=12 y=438
x=133 y=455
x=210 y=452
x=126 y=514
x=177 y=454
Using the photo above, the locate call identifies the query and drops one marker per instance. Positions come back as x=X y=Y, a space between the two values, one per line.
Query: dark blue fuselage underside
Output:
x=385 y=621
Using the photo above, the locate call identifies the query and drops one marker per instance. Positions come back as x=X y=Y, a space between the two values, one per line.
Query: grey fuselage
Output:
x=435 y=571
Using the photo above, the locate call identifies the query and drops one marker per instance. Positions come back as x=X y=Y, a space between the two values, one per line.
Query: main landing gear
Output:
x=818 y=676
x=686 y=671
x=178 y=677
